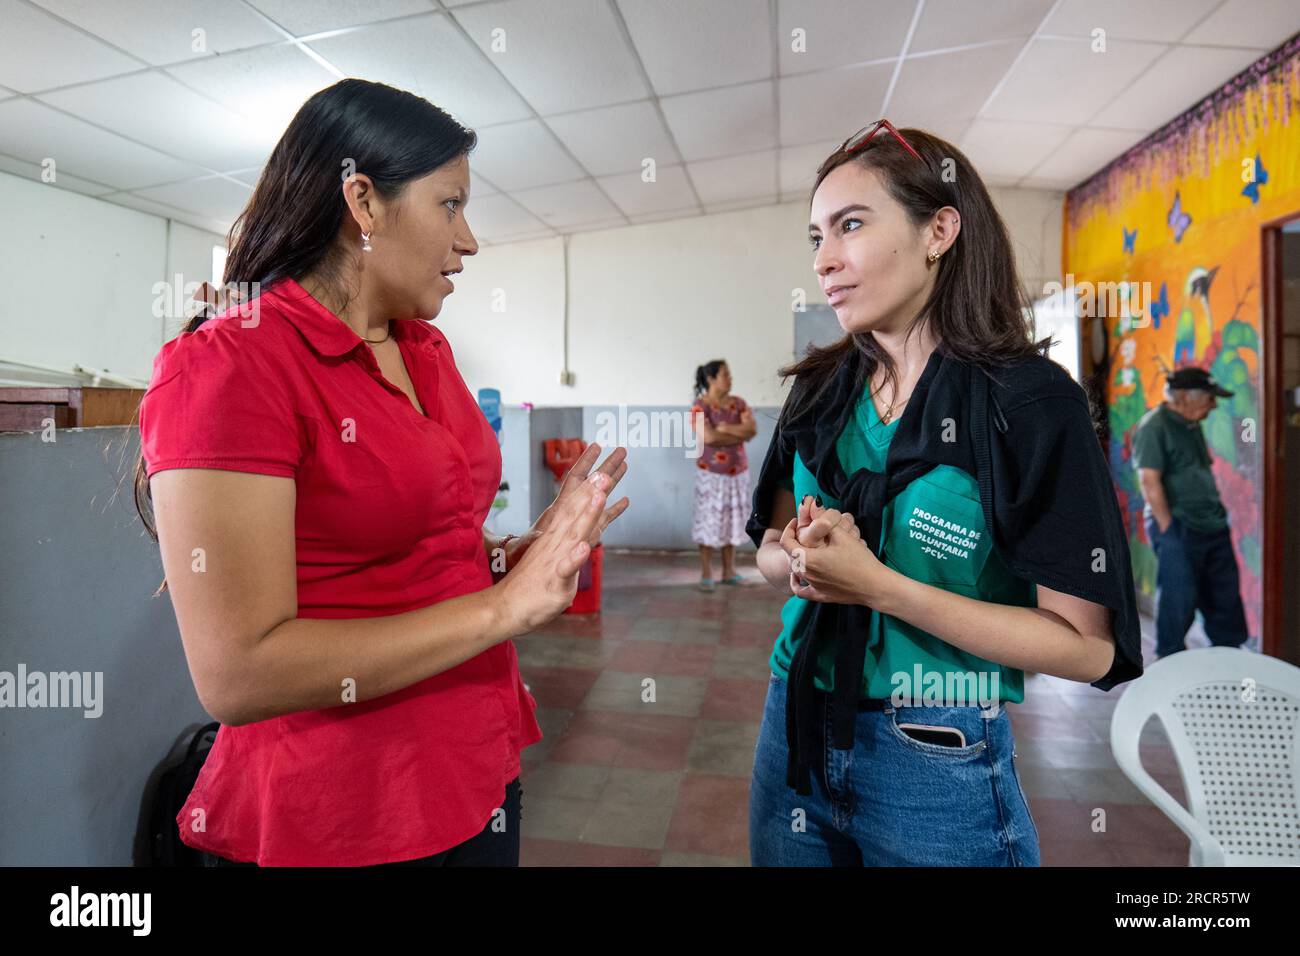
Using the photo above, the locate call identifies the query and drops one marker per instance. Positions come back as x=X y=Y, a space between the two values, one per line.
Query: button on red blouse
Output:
x=390 y=511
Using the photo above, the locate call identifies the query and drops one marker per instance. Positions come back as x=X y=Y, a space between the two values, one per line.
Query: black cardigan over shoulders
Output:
x=1025 y=432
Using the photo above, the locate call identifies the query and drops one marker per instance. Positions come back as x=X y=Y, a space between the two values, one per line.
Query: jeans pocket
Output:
x=975 y=733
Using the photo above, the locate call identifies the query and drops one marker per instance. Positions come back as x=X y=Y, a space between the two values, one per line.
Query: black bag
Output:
x=173 y=790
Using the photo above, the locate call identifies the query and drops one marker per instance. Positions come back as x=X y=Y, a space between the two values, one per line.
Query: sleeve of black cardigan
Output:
x=1057 y=520
x=777 y=472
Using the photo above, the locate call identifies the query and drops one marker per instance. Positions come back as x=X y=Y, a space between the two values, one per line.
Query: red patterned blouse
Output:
x=722 y=459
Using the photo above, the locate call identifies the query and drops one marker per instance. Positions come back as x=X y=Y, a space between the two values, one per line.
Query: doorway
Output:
x=1281 y=427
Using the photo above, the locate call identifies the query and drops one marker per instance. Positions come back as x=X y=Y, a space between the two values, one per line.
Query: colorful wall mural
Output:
x=1166 y=239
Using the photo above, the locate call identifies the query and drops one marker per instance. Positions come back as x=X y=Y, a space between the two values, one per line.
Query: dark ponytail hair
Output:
x=290 y=226
x=705 y=372
x=978 y=309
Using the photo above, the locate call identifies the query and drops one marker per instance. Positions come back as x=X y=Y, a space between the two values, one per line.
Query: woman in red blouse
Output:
x=722 y=423
x=320 y=475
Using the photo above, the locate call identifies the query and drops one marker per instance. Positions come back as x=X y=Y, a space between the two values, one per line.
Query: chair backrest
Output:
x=1232 y=718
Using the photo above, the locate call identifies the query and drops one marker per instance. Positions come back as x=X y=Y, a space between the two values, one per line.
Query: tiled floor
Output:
x=617 y=781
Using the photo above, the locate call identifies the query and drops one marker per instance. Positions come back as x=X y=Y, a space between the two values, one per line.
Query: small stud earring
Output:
x=365 y=242
x=933 y=257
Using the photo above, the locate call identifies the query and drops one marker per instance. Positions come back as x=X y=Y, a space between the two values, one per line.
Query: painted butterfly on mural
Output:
x=1178 y=220
x=1129 y=239
x=1261 y=177
x=1160 y=307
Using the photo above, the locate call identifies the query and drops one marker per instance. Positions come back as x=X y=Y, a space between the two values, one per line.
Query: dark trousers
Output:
x=490 y=848
x=1196 y=571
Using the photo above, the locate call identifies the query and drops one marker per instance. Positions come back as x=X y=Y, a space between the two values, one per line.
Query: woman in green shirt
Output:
x=918 y=267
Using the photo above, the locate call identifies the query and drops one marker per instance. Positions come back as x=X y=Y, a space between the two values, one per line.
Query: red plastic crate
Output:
x=587 y=600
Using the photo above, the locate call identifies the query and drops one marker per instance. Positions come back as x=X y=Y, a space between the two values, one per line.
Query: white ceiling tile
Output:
x=567 y=204
x=248 y=176
x=921 y=99
x=838 y=33
x=1176 y=81
x=33 y=131
x=596 y=225
x=738 y=204
x=303 y=17
x=32 y=171
x=1050 y=183
x=522 y=155
x=428 y=56
x=1083 y=153
x=831 y=105
x=1262 y=24
x=998 y=148
x=267 y=85
x=667 y=214
x=178 y=120
x=1160 y=20
x=799 y=164
x=1063 y=81
x=560 y=55
x=1059 y=115
x=736 y=119
x=212 y=197
x=735 y=178
x=688 y=45
x=615 y=139
x=479 y=185
x=163 y=31
x=38 y=52
x=670 y=190
x=499 y=215
x=951 y=23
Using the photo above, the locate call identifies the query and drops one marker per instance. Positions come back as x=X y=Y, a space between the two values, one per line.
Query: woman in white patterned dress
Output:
x=722 y=423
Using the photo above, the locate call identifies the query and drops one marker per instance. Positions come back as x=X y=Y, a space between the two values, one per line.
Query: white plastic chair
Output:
x=1239 y=757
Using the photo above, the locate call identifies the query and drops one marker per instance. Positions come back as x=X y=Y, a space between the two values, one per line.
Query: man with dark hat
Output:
x=1185 y=518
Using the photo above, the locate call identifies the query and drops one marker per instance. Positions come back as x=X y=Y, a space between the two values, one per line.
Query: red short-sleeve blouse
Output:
x=390 y=511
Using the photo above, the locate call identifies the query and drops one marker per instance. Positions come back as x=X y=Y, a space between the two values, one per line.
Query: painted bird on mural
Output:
x=1228 y=353
x=1192 y=338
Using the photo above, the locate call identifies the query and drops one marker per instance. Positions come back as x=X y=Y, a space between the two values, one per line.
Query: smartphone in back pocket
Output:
x=930 y=734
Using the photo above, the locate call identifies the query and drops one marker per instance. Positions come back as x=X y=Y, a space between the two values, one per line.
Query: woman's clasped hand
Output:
x=829 y=561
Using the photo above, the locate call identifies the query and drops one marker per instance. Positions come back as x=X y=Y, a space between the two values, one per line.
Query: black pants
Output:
x=489 y=848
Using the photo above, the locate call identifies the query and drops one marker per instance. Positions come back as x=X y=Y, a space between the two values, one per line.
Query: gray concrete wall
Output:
x=547 y=422
x=660 y=480
x=77 y=576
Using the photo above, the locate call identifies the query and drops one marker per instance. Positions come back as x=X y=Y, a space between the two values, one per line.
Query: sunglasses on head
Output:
x=863 y=136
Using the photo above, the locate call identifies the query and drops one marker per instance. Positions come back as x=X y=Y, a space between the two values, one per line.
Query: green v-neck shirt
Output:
x=933 y=531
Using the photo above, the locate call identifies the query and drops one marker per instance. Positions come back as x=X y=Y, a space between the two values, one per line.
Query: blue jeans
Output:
x=1195 y=570
x=893 y=800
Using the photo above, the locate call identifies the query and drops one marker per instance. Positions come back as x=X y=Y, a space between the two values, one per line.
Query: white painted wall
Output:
x=78 y=276
x=648 y=303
